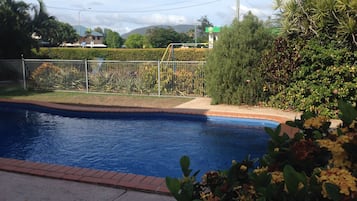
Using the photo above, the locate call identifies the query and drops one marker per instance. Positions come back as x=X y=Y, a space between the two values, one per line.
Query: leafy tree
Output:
x=162 y=37
x=232 y=74
x=135 y=41
x=112 y=39
x=202 y=36
x=15 y=29
x=100 y=30
x=65 y=33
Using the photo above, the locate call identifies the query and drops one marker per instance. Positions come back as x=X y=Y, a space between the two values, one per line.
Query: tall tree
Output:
x=135 y=41
x=232 y=66
x=162 y=37
x=202 y=36
x=15 y=29
x=43 y=24
x=112 y=39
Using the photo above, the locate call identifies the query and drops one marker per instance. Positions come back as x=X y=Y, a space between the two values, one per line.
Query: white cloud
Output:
x=159 y=19
x=127 y=15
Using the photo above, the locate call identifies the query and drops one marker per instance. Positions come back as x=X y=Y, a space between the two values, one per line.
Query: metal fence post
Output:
x=158 y=78
x=86 y=71
x=23 y=71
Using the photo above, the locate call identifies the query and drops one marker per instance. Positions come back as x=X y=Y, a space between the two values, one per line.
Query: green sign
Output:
x=213 y=29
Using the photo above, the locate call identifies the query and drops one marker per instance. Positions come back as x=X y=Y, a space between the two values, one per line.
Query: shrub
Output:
x=322 y=74
x=278 y=65
x=46 y=77
x=318 y=163
x=320 y=91
x=150 y=54
x=231 y=72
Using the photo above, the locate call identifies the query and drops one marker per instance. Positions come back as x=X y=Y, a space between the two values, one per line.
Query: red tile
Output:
x=6 y=167
x=90 y=173
x=108 y=182
x=100 y=174
x=119 y=176
x=148 y=180
x=108 y=175
x=63 y=169
x=93 y=180
x=128 y=177
x=81 y=171
x=72 y=170
x=38 y=172
x=158 y=181
x=71 y=177
x=54 y=174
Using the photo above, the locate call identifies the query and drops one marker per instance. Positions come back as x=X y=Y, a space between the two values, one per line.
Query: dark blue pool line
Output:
x=142 y=115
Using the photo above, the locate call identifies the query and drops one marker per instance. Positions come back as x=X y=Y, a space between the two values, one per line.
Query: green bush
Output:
x=232 y=73
x=320 y=91
x=278 y=65
x=151 y=54
x=325 y=74
x=316 y=164
x=48 y=76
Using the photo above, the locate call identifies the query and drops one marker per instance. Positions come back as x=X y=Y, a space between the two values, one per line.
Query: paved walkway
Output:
x=21 y=187
x=25 y=187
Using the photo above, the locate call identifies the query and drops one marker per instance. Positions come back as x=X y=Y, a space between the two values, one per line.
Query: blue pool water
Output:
x=140 y=143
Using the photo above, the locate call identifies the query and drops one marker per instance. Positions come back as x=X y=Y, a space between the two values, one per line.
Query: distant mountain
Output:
x=183 y=28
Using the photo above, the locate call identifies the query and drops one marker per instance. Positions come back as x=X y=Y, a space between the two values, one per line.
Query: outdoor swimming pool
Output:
x=139 y=143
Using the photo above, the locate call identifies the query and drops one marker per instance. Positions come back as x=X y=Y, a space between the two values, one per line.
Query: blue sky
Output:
x=125 y=15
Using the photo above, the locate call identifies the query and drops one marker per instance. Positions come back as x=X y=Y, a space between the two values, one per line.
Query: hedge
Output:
x=180 y=54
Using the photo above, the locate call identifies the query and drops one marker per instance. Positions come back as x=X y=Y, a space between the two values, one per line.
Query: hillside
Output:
x=183 y=28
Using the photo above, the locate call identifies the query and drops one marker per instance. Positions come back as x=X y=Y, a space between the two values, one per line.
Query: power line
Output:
x=136 y=11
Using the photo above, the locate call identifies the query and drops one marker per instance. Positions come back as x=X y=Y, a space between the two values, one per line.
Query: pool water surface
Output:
x=140 y=143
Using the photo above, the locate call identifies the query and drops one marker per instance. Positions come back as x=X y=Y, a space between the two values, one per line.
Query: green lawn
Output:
x=15 y=92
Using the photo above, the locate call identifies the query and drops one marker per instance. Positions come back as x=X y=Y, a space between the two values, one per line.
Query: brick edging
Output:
x=106 y=178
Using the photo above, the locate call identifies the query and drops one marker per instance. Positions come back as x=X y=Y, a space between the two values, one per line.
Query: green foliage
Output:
x=122 y=77
x=300 y=168
x=202 y=36
x=112 y=39
x=162 y=37
x=320 y=91
x=278 y=64
x=325 y=73
x=324 y=19
x=48 y=76
x=123 y=54
x=231 y=72
x=135 y=41
x=313 y=64
x=183 y=189
x=16 y=29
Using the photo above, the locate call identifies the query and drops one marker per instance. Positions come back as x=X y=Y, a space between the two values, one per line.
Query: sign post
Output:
x=212 y=35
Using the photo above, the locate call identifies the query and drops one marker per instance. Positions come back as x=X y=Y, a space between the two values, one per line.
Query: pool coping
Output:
x=143 y=183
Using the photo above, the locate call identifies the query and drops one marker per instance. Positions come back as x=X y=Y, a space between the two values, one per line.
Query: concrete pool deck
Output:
x=25 y=180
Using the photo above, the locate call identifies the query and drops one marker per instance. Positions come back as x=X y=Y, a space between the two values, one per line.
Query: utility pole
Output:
x=238 y=8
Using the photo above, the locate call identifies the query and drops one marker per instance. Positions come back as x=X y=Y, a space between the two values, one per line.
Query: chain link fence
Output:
x=172 y=78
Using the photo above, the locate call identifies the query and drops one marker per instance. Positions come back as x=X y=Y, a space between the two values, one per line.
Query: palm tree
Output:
x=15 y=31
x=43 y=24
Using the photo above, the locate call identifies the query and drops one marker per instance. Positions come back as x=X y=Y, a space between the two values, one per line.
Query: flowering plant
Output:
x=317 y=163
